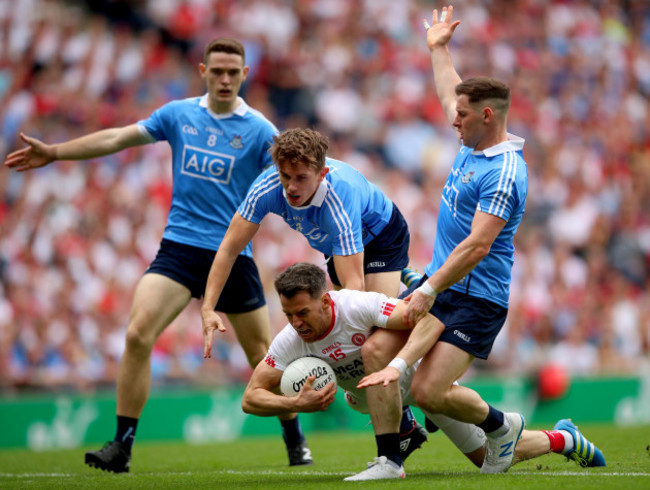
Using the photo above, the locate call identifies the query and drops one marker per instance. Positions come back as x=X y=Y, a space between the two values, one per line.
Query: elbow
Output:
x=481 y=251
x=247 y=407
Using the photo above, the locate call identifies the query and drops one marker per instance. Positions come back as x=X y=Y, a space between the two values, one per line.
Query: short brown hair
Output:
x=300 y=145
x=301 y=277
x=225 y=45
x=483 y=89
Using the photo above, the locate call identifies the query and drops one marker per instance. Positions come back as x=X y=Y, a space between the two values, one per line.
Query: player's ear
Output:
x=488 y=114
x=326 y=301
x=202 y=69
x=323 y=172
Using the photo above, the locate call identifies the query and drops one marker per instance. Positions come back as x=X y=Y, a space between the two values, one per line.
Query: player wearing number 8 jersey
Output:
x=219 y=145
x=216 y=157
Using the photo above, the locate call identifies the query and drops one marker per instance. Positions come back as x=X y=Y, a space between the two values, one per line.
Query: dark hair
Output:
x=301 y=277
x=225 y=45
x=300 y=145
x=482 y=89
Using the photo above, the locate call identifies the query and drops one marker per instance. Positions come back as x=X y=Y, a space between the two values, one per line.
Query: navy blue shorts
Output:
x=471 y=323
x=190 y=267
x=386 y=252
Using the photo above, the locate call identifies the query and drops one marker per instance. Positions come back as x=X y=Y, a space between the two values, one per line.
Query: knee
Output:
x=139 y=339
x=427 y=397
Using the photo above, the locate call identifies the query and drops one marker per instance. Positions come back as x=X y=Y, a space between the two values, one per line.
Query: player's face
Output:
x=310 y=317
x=223 y=74
x=469 y=122
x=300 y=182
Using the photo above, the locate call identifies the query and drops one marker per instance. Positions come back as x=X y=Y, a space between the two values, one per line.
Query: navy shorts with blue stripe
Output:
x=190 y=267
x=386 y=252
x=471 y=324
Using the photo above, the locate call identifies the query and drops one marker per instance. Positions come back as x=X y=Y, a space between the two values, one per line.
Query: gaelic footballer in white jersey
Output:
x=354 y=315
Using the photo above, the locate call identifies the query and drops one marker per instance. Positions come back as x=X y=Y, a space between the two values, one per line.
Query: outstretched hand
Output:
x=211 y=322
x=384 y=377
x=440 y=31
x=35 y=154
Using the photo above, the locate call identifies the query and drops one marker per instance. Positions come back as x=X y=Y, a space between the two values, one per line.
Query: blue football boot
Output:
x=584 y=453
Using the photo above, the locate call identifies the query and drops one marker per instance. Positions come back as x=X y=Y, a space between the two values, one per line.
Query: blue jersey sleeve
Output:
x=498 y=193
x=158 y=122
x=344 y=225
x=262 y=197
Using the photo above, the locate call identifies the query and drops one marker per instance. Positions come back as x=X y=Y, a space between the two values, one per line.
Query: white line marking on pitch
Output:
x=319 y=473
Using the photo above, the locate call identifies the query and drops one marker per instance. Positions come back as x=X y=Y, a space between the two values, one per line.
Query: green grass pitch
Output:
x=262 y=463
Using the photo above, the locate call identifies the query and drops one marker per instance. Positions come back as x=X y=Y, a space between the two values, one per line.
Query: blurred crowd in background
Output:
x=76 y=236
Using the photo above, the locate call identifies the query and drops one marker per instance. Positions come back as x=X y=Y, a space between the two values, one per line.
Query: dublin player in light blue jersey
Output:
x=340 y=214
x=466 y=285
x=219 y=146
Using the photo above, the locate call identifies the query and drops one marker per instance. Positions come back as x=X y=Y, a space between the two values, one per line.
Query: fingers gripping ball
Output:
x=296 y=374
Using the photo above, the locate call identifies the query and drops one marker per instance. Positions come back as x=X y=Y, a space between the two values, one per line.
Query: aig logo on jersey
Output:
x=209 y=165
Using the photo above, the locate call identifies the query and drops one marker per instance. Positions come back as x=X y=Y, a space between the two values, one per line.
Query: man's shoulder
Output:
x=267 y=186
x=342 y=175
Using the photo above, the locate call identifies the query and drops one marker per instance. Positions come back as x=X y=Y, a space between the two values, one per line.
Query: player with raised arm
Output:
x=219 y=146
x=332 y=326
x=466 y=285
x=342 y=215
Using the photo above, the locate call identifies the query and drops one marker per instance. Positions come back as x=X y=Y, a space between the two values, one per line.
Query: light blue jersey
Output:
x=494 y=181
x=346 y=212
x=216 y=157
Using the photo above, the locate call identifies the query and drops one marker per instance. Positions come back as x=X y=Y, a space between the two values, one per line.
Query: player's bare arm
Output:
x=259 y=397
x=239 y=234
x=38 y=154
x=462 y=260
x=444 y=74
x=420 y=341
x=349 y=269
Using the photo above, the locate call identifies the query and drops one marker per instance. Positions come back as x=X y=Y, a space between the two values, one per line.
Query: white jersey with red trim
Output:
x=354 y=314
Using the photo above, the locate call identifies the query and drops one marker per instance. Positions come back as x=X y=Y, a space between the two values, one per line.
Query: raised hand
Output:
x=440 y=32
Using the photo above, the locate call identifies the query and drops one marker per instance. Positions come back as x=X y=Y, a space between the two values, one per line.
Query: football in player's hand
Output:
x=296 y=374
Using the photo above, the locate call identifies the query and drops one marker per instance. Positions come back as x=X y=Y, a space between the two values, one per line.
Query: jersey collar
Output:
x=317 y=200
x=514 y=143
x=333 y=319
x=240 y=110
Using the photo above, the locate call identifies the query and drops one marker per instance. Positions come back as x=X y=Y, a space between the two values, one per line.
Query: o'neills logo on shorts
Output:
x=461 y=335
x=377 y=264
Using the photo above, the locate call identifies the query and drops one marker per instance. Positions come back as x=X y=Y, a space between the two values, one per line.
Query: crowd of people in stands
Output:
x=76 y=236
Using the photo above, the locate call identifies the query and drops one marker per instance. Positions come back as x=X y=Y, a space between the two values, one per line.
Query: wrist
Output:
x=399 y=364
x=426 y=288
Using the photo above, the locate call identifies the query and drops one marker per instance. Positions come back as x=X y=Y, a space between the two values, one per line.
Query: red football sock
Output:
x=557 y=440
